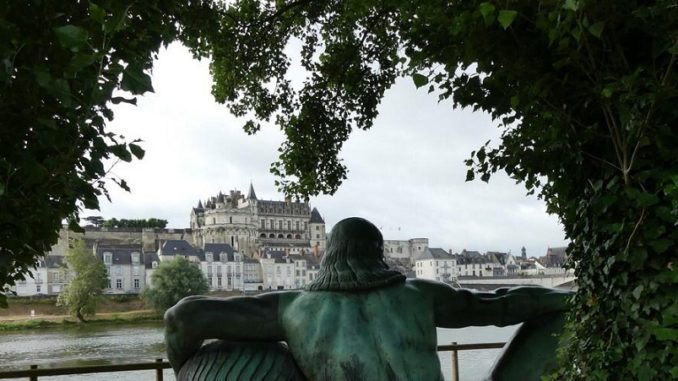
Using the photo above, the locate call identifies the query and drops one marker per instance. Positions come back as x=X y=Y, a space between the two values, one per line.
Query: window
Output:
x=209 y=257
x=108 y=258
x=135 y=270
x=263 y=224
x=109 y=283
x=135 y=257
x=38 y=289
x=317 y=236
x=297 y=225
x=214 y=220
x=136 y=283
x=219 y=281
x=317 y=227
x=272 y=224
x=289 y=225
x=230 y=220
x=280 y=225
x=118 y=284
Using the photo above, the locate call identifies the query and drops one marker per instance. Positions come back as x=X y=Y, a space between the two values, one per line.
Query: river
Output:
x=99 y=344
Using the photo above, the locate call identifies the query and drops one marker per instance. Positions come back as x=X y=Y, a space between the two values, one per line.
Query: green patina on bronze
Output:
x=357 y=321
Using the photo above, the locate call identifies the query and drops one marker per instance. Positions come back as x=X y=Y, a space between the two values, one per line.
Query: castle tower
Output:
x=316 y=226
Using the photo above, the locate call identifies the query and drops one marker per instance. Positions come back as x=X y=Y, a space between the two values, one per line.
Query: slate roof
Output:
x=218 y=248
x=149 y=258
x=316 y=218
x=251 y=195
x=498 y=257
x=178 y=246
x=52 y=261
x=435 y=253
x=247 y=259
x=274 y=253
x=120 y=254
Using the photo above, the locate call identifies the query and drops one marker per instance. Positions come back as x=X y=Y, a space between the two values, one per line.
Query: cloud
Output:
x=406 y=174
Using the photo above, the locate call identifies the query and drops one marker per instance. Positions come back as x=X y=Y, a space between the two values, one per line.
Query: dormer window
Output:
x=209 y=257
x=135 y=257
x=108 y=258
x=154 y=264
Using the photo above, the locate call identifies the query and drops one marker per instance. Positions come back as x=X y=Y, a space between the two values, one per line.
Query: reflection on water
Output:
x=99 y=344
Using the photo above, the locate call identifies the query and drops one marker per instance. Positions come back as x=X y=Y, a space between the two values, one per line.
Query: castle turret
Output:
x=316 y=226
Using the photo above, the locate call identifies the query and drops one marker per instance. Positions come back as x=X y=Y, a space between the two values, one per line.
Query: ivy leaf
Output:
x=571 y=5
x=2 y=189
x=661 y=245
x=135 y=80
x=71 y=37
x=97 y=13
x=487 y=10
x=419 y=80
x=597 y=29
x=506 y=18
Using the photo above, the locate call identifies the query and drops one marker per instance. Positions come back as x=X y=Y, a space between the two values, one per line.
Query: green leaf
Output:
x=515 y=101
x=597 y=29
x=2 y=189
x=607 y=92
x=571 y=5
x=137 y=151
x=506 y=18
x=97 y=13
x=661 y=245
x=120 y=150
x=71 y=36
x=470 y=175
x=638 y=291
x=117 y=20
x=135 y=80
x=487 y=10
x=419 y=80
x=62 y=91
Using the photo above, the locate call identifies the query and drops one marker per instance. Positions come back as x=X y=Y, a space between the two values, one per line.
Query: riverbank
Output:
x=18 y=323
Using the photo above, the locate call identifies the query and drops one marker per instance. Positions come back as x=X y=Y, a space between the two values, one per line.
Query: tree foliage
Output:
x=135 y=224
x=88 y=280
x=62 y=65
x=584 y=91
x=173 y=280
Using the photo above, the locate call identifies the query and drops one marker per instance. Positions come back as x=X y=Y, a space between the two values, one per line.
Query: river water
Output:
x=99 y=344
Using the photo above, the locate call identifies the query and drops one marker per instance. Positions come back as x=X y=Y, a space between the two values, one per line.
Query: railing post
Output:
x=455 y=363
x=33 y=378
x=158 y=370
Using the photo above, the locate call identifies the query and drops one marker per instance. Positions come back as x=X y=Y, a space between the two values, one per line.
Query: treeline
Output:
x=98 y=221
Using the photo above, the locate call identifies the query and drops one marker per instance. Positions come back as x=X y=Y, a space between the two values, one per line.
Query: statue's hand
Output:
x=180 y=339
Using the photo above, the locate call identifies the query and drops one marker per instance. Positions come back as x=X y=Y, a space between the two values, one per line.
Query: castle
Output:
x=254 y=226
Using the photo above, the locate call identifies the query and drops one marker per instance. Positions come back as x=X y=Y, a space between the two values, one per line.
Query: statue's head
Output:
x=354 y=259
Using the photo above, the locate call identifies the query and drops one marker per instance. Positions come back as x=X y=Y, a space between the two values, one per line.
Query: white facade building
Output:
x=436 y=264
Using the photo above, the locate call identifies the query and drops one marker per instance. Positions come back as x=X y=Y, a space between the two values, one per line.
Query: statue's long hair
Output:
x=354 y=259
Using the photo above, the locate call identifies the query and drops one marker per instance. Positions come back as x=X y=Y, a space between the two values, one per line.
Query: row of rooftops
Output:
x=555 y=257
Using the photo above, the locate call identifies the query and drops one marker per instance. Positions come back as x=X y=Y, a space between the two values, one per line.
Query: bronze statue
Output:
x=357 y=321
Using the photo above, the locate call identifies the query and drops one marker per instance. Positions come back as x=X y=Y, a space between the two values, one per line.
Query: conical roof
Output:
x=251 y=195
x=316 y=218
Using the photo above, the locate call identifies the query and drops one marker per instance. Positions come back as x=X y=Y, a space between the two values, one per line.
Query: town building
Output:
x=125 y=267
x=49 y=277
x=436 y=264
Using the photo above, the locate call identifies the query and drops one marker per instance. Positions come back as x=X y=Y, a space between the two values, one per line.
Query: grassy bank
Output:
x=60 y=321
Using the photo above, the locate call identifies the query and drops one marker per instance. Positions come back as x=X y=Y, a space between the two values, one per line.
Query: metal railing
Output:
x=159 y=365
x=34 y=372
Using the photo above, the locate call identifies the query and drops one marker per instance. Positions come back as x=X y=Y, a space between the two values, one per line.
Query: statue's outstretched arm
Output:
x=198 y=318
x=455 y=308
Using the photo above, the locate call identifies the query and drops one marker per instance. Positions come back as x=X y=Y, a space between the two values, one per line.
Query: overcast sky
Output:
x=406 y=174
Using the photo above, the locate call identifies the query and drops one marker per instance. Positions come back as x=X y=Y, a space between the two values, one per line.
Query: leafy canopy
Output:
x=89 y=279
x=62 y=65
x=135 y=224
x=584 y=91
x=173 y=280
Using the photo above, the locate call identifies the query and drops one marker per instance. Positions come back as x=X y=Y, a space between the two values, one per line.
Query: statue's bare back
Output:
x=385 y=334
